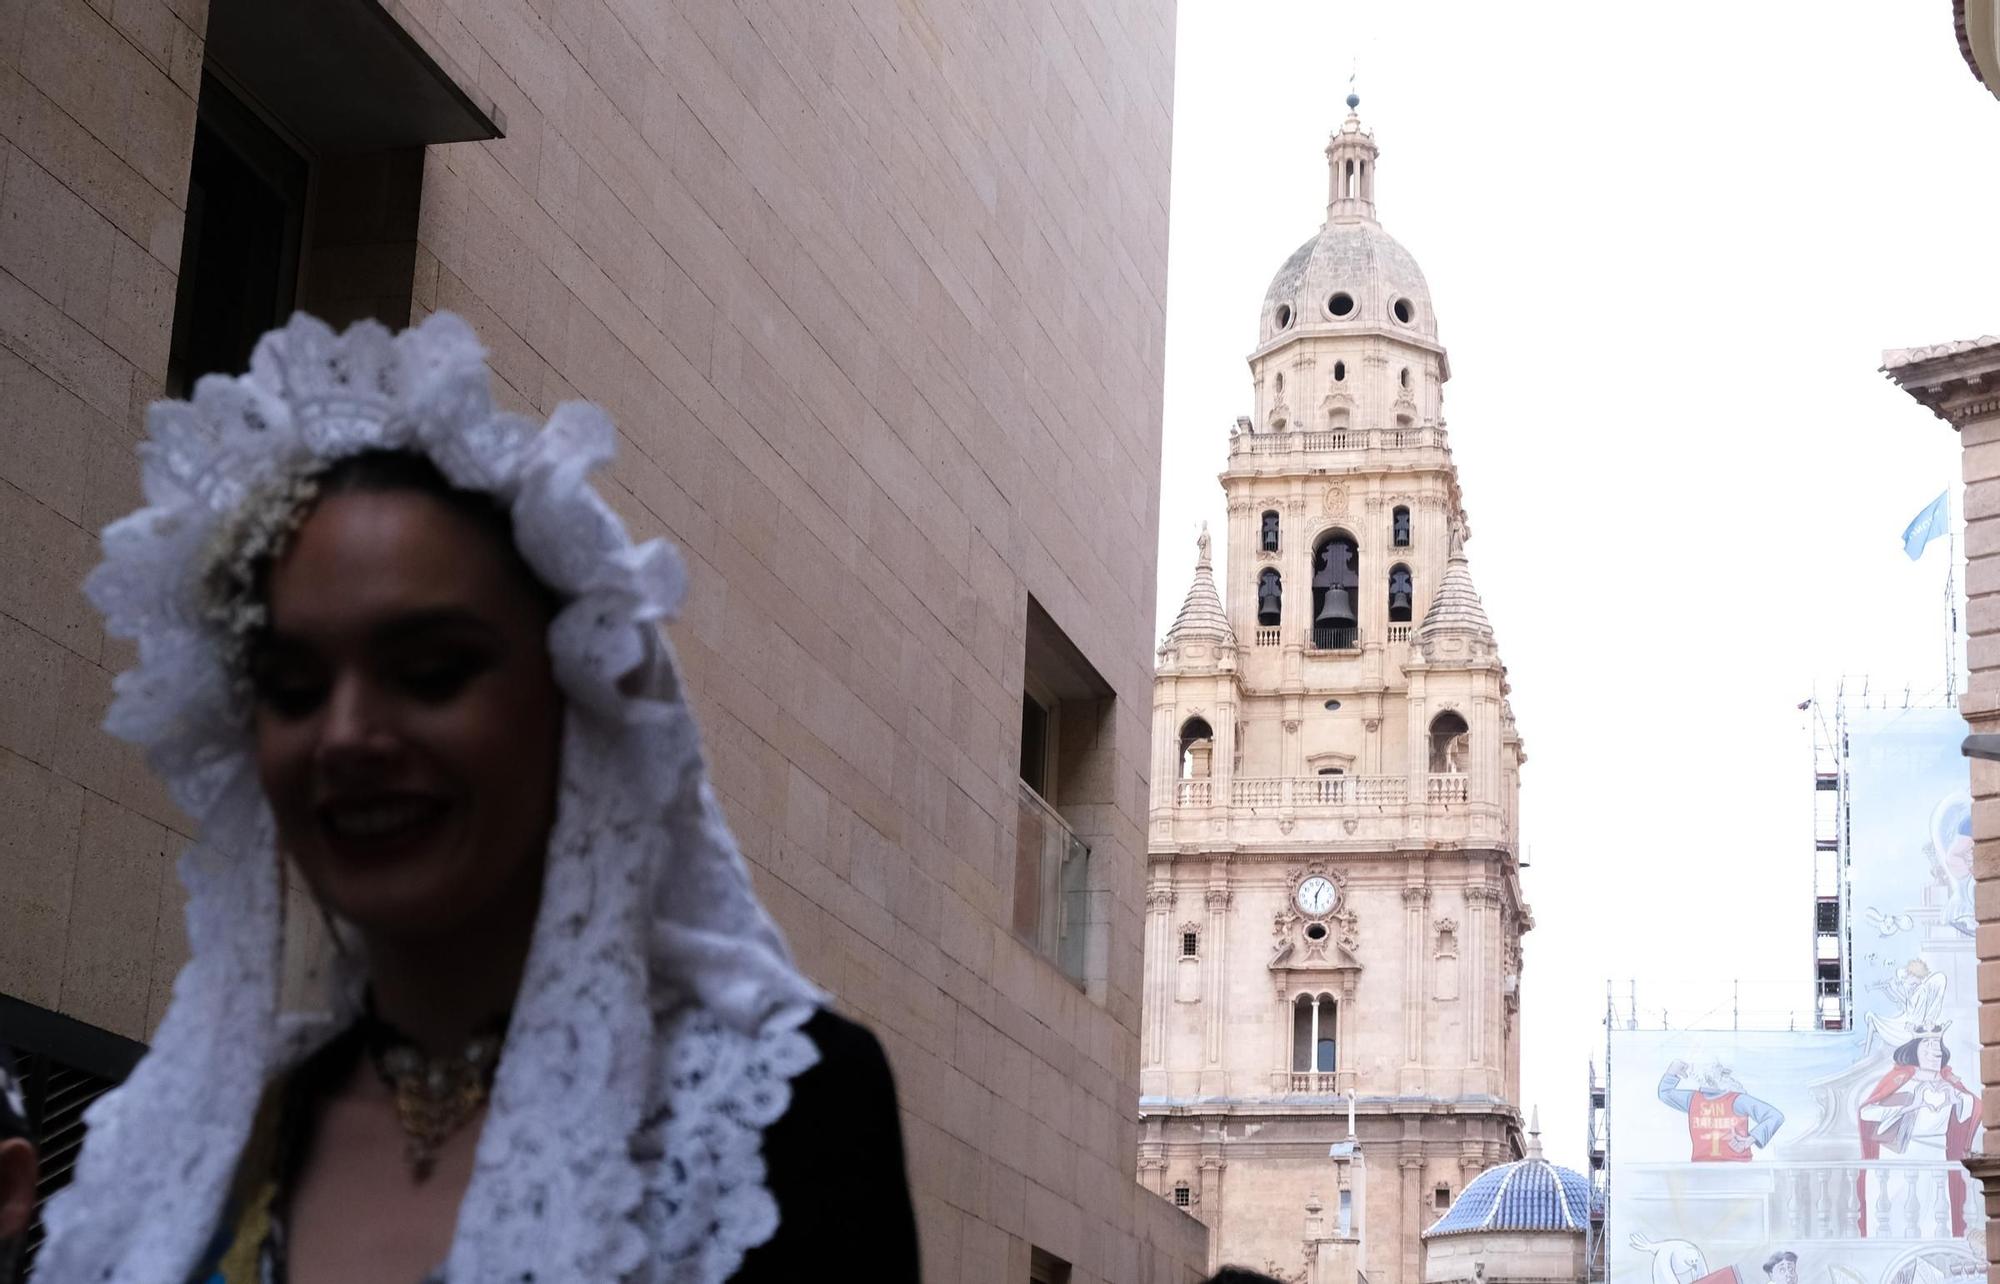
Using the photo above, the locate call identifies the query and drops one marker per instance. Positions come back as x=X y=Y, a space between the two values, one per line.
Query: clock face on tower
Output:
x=1317 y=894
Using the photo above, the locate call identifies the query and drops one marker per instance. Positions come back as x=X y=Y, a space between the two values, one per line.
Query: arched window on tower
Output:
x=1268 y=540
x=1335 y=579
x=1270 y=598
x=1197 y=744
x=1450 y=740
x=1399 y=526
x=1340 y=372
x=1401 y=591
x=1314 y=1019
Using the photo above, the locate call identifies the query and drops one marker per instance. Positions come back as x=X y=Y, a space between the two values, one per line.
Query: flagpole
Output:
x=1951 y=606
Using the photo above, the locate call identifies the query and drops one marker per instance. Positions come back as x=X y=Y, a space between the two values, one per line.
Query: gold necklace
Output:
x=435 y=1096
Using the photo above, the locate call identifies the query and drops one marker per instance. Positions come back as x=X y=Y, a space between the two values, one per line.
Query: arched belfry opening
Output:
x=1451 y=741
x=1336 y=576
x=1197 y=746
x=1268 y=536
x=1402 y=594
x=1270 y=598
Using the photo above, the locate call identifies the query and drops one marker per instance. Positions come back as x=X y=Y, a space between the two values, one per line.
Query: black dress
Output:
x=833 y=1161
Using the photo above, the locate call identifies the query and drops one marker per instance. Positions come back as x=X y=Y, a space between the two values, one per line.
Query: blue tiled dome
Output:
x=1529 y=1194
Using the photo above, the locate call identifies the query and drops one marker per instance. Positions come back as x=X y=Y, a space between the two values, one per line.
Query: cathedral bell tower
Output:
x=1334 y=906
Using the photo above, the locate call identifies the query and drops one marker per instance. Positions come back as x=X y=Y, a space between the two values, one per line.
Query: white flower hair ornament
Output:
x=658 y=1025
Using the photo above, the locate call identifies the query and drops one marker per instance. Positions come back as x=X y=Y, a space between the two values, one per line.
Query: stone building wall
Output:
x=1960 y=383
x=876 y=295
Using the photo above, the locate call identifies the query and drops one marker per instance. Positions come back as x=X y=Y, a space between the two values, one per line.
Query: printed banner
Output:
x=1828 y=1157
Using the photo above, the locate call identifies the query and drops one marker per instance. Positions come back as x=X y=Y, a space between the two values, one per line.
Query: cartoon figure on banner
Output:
x=1782 y=1267
x=1921 y=994
x=1725 y=1123
x=1951 y=860
x=1676 y=1261
x=1936 y=1266
x=1921 y=1110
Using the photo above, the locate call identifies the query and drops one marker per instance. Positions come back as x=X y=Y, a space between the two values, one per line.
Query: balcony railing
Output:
x=1450 y=787
x=1333 y=639
x=1313 y=1081
x=1050 y=869
x=1312 y=791
x=1339 y=440
x=1399 y=633
x=1268 y=637
x=1193 y=793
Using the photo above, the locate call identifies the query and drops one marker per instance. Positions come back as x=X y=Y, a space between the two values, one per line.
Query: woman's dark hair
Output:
x=236 y=581
x=1907 y=1054
x=374 y=472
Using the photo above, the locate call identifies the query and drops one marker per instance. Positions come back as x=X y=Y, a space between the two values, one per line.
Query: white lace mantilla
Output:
x=659 y=1022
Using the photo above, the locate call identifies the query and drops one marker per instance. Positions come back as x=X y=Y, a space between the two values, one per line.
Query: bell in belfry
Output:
x=1270 y=598
x=1337 y=609
x=1336 y=578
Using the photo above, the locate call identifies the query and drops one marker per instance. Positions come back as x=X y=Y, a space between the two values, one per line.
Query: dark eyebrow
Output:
x=442 y=619
x=409 y=626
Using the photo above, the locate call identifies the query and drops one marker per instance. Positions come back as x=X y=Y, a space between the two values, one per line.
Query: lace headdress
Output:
x=658 y=1025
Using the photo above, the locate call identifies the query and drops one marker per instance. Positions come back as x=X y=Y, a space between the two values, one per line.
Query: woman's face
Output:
x=407 y=719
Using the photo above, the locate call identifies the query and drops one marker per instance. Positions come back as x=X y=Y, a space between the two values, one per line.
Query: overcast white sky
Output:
x=1666 y=247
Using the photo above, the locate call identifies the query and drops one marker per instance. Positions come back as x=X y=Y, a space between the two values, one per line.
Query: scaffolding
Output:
x=1598 y=1140
x=1831 y=945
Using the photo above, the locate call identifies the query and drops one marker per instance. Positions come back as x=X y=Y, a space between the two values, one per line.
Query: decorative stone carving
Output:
x=1216 y=898
x=1159 y=898
x=1334 y=500
x=1447 y=938
x=1371 y=725
x=1416 y=895
x=1291 y=726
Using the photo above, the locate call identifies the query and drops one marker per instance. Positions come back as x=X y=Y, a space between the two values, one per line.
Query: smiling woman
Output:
x=394 y=636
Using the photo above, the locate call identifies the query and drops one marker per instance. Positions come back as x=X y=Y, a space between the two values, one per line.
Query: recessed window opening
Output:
x=1270 y=598
x=241 y=243
x=1317 y=931
x=1402 y=310
x=1399 y=526
x=1334 y=581
x=1281 y=383
x=1400 y=593
x=1450 y=739
x=1182 y=1196
x=1353 y=182
x=1340 y=372
x=1314 y=1020
x=1268 y=538
x=1403 y=377
x=1441 y=1198
x=1284 y=316
x=1331 y=771
x=1034 y=744
x=1332 y=705
x=1340 y=304
x=1190 y=944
